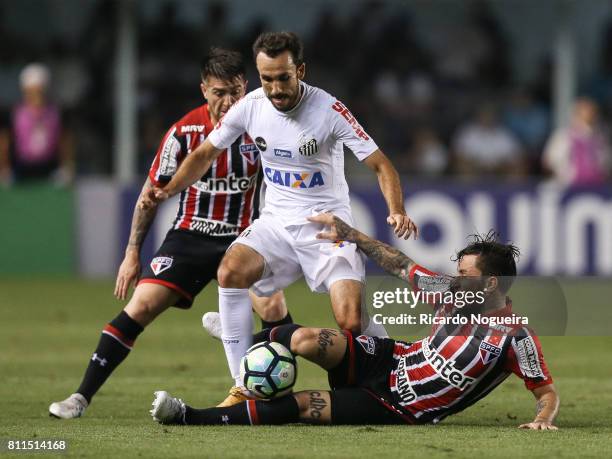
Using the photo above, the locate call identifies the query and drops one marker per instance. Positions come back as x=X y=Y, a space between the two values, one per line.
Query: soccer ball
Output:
x=268 y=370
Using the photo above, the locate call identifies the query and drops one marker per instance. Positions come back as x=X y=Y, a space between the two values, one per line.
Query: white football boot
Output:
x=73 y=407
x=211 y=321
x=167 y=409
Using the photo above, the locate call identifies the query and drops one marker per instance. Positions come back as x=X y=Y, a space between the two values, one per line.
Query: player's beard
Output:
x=283 y=96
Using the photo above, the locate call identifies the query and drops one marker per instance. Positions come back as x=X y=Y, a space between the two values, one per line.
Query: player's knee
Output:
x=229 y=275
x=142 y=309
x=302 y=398
x=350 y=322
x=303 y=339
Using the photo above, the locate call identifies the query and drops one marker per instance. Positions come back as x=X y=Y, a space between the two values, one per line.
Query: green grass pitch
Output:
x=49 y=328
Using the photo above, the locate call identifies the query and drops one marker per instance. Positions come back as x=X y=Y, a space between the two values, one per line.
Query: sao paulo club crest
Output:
x=489 y=352
x=367 y=343
x=160 y=264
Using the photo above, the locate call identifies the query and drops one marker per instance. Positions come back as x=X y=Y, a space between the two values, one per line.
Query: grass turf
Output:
x=49 y=327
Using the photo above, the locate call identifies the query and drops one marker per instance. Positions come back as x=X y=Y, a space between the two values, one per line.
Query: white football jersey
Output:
x=302 y=152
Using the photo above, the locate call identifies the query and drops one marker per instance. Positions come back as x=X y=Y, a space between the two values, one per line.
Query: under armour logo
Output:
x=95 y=357
x=225 y=419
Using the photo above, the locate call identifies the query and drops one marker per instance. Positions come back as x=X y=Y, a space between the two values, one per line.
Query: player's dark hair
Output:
x=275 y=43
x=494 y=258
x=223 y=64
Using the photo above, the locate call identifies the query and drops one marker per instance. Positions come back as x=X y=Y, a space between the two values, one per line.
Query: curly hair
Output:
x=494 y=257
x=275 y=43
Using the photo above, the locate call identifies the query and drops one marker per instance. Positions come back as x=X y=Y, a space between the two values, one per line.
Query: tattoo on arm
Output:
x=141 y=222
x=389 y=258
x=316 y=405
x=540 y=406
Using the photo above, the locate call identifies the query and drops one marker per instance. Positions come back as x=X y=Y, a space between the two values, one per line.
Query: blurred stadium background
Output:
x=474 y=102
x=464 y=96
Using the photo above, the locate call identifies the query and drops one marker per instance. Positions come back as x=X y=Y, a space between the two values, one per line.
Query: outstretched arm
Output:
x=389 y=182
x=389 y=258
x=547 y=407
x=129 y=271
x=195 y=165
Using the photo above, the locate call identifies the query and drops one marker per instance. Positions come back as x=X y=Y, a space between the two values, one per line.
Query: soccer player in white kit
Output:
x=300 y=132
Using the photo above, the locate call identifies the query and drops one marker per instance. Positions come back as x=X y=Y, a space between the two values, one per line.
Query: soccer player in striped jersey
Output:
x=385 y=381
x=211 y=214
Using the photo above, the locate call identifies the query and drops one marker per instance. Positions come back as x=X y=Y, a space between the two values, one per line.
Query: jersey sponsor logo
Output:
x=261 y=143
x=348 y=116
x=213 y=227
x=528 y=359
x=294 y=179
x=160 y=264
x=367 y=343
x=192 y=128
x=489 y=352
x=309 y=148
x=446 y=368
x=282 y=153
x=230 y=184
x=434 y=283
x=405 y=391
x=169 y=153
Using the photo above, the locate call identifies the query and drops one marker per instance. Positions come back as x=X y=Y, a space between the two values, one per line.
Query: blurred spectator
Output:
x=493 y=65
x=579 y=154
x=529 y=121
x=427 y=156
x=485 y=147
x=34 y=147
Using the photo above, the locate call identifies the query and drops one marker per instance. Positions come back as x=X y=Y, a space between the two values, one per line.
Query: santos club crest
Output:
x=160 y=264
x=308 y=145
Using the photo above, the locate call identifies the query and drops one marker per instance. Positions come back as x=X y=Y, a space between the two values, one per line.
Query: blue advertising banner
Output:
x=559 y=231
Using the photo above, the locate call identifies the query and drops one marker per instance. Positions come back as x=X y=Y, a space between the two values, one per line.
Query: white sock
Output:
x=236 y=326
x=368 y=326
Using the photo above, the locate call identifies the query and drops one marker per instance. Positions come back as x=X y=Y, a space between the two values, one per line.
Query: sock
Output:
x=285 y=320
x=282 y=410
x=280 y=334
x=374 y=329
x=283 y=333
x=115 y=344
x=368 y=326
x=262 y=336
x=236 y=326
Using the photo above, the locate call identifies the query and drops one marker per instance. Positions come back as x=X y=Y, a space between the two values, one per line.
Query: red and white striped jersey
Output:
x=457 y=365
x=226 y=199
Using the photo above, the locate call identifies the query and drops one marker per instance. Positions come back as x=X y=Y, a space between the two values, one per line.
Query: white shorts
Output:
x=294 y=251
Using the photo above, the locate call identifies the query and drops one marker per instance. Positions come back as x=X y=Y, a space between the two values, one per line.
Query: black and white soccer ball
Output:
x=268 y=370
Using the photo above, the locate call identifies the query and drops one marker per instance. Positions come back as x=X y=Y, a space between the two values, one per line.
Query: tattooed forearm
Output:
x=547 y=406
x=389 y=258
x=324 y=341
x=141 y=222
x=316 y=405
x=345 y=232
x=540 y=405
